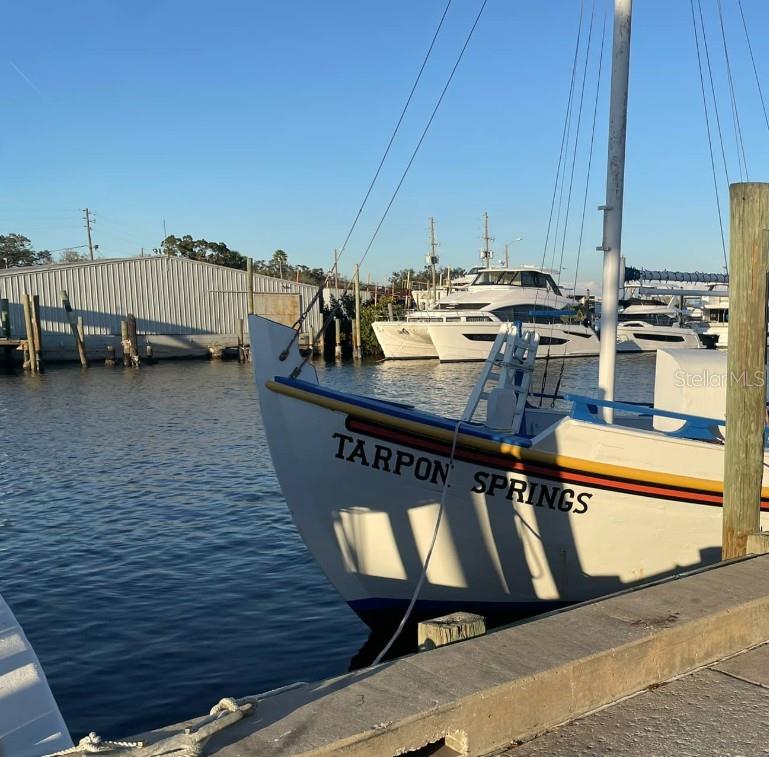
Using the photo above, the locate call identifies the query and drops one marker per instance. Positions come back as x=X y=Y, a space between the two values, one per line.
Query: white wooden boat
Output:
x=516 y=510
x=558 y=512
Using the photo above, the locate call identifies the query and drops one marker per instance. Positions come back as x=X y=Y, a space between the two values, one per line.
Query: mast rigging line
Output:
x=559 y=177
x=571 y=186
x=394 y=134
x=708 y=128
x=590 y=152
x=733 y=95
x=713 y=89
x=424 y=132
x=566 y=122
x=328 y=320
x=576 y=141
x=753 y=61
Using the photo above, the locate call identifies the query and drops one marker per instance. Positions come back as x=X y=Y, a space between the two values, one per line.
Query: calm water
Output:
x=145 y=545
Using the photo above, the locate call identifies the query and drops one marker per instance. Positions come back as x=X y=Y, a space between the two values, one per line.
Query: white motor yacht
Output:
x=715 y=315
x=648 y=327
x=463 y=325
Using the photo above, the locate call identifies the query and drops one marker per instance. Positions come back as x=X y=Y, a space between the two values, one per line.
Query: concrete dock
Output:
x=720 y=710
x=527 y=688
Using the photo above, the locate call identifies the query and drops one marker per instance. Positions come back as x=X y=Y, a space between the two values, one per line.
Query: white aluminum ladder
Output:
x=510 y=364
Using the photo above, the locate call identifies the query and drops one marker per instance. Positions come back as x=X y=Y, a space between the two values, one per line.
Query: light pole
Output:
x=507 y=251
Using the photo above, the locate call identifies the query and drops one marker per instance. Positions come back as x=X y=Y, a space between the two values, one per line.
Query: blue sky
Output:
x=260 y=124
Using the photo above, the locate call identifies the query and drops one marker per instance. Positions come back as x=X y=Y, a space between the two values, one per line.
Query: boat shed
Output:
x=182 y=307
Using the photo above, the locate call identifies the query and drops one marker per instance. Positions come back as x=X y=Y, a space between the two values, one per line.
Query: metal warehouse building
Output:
x=182 y=306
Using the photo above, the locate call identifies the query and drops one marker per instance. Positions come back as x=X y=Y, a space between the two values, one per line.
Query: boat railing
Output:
x=694 y=426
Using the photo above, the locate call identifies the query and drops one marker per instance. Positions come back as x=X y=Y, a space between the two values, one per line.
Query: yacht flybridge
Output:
x=463 y=325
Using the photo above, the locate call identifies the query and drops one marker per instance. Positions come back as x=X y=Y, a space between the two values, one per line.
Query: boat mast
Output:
x=487 y=254
x=612 y=210
x=432 y=258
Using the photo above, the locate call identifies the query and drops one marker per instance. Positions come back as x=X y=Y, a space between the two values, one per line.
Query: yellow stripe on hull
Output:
x=509 y=450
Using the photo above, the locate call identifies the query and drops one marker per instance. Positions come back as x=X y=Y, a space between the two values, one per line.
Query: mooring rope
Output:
x=428 y=556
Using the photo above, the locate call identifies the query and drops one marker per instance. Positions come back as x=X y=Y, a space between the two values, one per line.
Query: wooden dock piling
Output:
x=338 y=334
x=30 y=362
x=37 y=331
x=125 y=343
x=5 y=329
x=76 y=332
x=133 y=341
x=450 y=628
x=746 y=365
x=250 y=285
x=356 y=351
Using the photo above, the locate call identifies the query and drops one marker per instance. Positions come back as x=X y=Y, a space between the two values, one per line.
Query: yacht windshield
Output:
x=532 y=279
x=533 y=313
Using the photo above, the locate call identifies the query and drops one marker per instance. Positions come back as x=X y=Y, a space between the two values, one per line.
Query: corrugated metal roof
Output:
x=168 y=295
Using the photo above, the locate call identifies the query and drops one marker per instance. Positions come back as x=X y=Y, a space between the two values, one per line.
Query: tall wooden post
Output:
x=133 y=339
x=250 y=285
x=125 y=342
x=5 y=327
x=356 y=344
x=338 y=345
x=37 y=330
x=746 y=365
x=26 y=302
x=5 y=319
x=72 y=319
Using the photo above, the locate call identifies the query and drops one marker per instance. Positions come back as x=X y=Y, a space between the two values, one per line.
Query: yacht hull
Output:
x=458 y=342
x=401 y=340
x=648 y=338
x=524 y=528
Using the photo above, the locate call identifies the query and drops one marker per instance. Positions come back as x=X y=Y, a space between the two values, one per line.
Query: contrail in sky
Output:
x=25 y=77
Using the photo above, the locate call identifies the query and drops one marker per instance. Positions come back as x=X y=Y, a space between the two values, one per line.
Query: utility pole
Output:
x=88 y=222
x=507 y=255
x=336 y=273
x=432 y=257
x=487 y=254
x=746 y=366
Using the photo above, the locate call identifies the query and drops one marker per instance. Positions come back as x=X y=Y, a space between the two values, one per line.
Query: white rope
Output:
x=190 y=742
x=426 y=563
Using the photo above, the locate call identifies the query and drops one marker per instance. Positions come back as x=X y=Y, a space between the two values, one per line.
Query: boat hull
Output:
x=460 y=342
x=652 y=338
x=401 y=340
x=523 y=528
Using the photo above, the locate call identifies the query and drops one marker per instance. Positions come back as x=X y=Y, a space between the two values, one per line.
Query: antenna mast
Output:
x=486 y=253
x=432 y=258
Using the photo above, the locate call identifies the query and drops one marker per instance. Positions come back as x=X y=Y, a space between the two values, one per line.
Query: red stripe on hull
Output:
x=466 y=454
